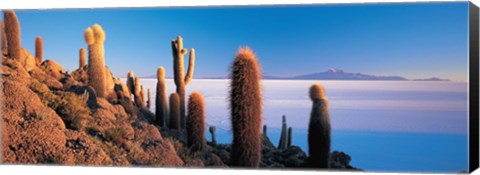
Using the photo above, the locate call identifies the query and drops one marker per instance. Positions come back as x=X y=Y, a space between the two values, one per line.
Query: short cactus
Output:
x=149 y=98
x=94 y=37
x=12 y=30
x=131 y=83
x=246 y=109
x=212 y=130
x=4 y=50
x=289 y=138
x=319 y=129
x=83 y=58
x=283 y=136
x=137 y=92
x=161 y=104
x=196 y=122
x=142 y=95
x=38 y=50
x=174 y=111
x=265 y=130
x=178 y=67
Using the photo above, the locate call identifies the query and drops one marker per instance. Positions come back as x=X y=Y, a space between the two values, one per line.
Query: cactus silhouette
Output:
x=196 y=122
x=283 y=136
x=12 y=30
x=83 y=58
x=94 y=37
x=246 y=109
x=265 y=130
x=4 y=50
x=178 y=72
x=289 y=138
x=174 y=111
x=137 y=92
x=161 y=104
x=38 y=50
x=319 y=129
x=131 y=83
x=212 y=130
x=149 y=98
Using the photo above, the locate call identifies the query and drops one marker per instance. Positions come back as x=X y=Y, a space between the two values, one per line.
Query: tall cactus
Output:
x=131 y=83
x=196 y=122
x=319 y=129
x=38 y=50
x=149 y=98
x=12 y=30
x=289 y=138
x=174 y=111
x=83 y=59
x=4 y=50
x=246 y=109
x=178 y=71
x=212 y=130
x=94 y=37
x=161 y=104
x=282 y=144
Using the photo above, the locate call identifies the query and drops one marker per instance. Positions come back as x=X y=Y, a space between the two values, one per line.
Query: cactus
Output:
x=83 y=60
x=265 y=130
x=178 y=69
x=12 y=30
x=94 y=37
x=149 y=98
x=174 y=111
x=142 y=95
x=196 y=122
x=246 y=109
x=137 y=92
x=282 y=144
x=289 y=138
x=319 y=129
x=131 y=83
x=161 y=105
x=4 y=39
x=38 y=50
x=212 y=130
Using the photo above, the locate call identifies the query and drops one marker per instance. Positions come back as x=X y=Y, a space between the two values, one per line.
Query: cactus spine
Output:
x=174 y=111
x=196 y=122
x=161 y=105
x=178 y=71
x=4 y=39
x=38 y=50
x=246 y=109
x=319 y=129
x=12 y=30
x=289 y=138
x=83 y=59
x=94 y=37
x=212 y=130
x=131 y=83
x=283 y=136
x=149 y=98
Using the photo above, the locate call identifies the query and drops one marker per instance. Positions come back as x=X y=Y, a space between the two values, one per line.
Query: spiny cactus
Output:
x=319 y=129
x=161 y=104
x=4 y=50
x=174 y=111
x=289 y=138
x=12 y=30
x=196 y=122
x=178 y=69
x=137 y=92
x=131 y=83
x=94 y=37
x=38 y=50
x=149 y=98
x=246 y=109
x=212 y=130
x=83 y=59
x=282 y=144
x=265 y=130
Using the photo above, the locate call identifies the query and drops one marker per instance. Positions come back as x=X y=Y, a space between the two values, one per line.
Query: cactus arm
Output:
x=191 y=66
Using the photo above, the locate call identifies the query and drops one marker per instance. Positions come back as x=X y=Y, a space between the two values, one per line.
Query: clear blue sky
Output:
x=419 y=40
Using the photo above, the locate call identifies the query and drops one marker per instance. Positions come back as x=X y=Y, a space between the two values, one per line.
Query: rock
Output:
x=53 y=68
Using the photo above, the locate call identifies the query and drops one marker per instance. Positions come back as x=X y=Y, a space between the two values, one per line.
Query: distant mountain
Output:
x=331 y=74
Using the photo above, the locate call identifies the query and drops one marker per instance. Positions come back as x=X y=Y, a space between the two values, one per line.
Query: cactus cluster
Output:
x=95 y=37
x=319 y=129
x=182 y=80
x=196 y=122
x=246 y=109
x=161 y=105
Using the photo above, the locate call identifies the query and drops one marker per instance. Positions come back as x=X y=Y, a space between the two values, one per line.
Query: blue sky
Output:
x=414 y=40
